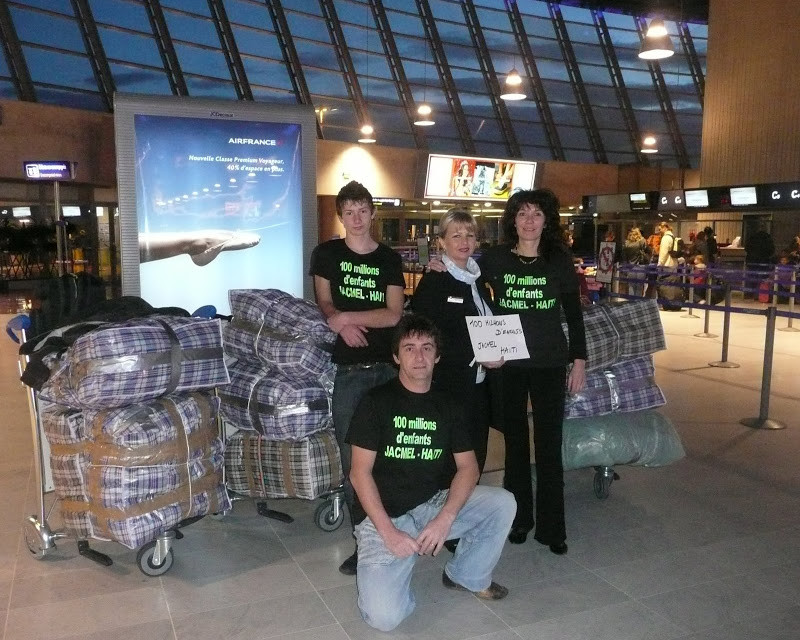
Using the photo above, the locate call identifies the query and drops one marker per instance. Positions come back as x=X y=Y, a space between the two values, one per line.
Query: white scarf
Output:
x=470 y=276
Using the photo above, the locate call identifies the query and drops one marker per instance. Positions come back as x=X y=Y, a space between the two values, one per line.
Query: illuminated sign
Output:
x=395 y=202
x=671 y=200
x=743 y=196
x=467 y=178
x=784 y=195
x=49 y=170
x=697 y=198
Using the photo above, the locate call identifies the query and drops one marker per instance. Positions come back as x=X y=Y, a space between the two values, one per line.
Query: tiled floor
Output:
x=707 y=548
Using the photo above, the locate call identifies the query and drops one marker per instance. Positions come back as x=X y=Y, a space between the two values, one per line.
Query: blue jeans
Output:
x=384 y=580
x=349 y=387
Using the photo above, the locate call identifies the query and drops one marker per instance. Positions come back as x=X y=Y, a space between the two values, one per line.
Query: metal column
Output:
x=166 y=48
x=230 y=50
x=94 y=48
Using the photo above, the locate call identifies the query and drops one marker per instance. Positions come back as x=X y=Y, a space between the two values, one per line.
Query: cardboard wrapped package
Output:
x=123 y=363
x=274 y=328
x=262 y=399
x=264 y=468
x=128 y=474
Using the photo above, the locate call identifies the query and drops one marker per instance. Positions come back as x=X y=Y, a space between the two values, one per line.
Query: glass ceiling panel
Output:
x=445 y=10
x=137 y=80
x=202 y=61
x=308 y=27
x=121 y=13
x=210 y=88
x=259 y=43
x=582 y=33
x=4 y=71
x=61 y=69
x=70 y=98
x=404 y=22
x=493 y=18
x=60 y=6
x=7 y=90
x=538 y=27
x=254 y=14
x=316 y=54
x=619 y=21
x=129 y=47
x=326 y=83
x=267 y=73
x=191 y=6
x=191 y=29
x=38 y=28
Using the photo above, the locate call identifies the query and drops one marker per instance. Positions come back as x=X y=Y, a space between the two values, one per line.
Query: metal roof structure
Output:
x=589 y=97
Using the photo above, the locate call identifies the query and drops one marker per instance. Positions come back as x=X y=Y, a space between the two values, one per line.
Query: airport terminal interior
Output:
x=578 y=96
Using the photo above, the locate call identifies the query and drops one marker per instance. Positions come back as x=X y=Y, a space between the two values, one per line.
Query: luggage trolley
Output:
x=153 y=559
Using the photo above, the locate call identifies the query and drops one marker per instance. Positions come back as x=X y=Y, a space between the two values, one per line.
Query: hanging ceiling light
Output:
x=367 y=134
x=513 y=87
x=424 y=116
x=649 y=145
x=657 y=44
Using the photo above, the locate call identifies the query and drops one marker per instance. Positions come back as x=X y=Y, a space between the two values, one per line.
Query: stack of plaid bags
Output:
x=612 y=419
x=279 y=398
x=132 y=427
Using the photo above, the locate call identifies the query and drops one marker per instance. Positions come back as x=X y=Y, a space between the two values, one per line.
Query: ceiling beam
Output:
x=20 y=74
x=230 y=50
x=166 y=48
x=95 y=51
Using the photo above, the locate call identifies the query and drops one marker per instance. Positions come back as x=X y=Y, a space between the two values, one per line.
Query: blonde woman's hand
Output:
x=496 y=364
x=576 y=380
x=436 y=264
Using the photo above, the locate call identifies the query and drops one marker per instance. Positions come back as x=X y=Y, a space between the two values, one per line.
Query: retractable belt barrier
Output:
x=782 y=284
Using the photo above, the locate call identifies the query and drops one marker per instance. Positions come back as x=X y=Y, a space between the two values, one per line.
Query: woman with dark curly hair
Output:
x=533 y=275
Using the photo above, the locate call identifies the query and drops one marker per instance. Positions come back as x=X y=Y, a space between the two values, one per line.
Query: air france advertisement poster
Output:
x=218 y=207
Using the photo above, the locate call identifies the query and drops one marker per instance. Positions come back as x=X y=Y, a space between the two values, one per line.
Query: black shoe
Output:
x=451 y=545
x=350 y=566
x=517 y=535
x=560 y=548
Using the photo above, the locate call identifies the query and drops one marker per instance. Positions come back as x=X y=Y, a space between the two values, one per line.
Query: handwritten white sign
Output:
x=495 y=337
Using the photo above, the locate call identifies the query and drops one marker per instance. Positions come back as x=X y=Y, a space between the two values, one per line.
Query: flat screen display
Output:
x=21 y=212
x=742 y=196
x=219 y=200
x=671 y=200
x=467 y=178
x=697 y=198
x=639 y=201
x=71 y=211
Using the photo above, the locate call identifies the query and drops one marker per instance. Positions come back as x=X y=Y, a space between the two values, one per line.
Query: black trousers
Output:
x=546 y=388
x=460 y=383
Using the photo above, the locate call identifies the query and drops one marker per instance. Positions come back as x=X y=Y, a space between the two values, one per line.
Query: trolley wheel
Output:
x=602 y=483
x=325 y=518
x=33 y=540
x=144 y=558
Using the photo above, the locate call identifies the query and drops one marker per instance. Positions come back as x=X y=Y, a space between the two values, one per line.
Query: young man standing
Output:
x=415 y=474
x=359 y=287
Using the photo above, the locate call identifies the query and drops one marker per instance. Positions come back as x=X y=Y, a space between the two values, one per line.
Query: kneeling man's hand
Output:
x=433 y=536
x=400 y=543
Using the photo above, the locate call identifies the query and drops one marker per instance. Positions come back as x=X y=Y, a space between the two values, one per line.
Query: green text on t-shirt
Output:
x=523 y=293
x=358 y=286
x=409 y=444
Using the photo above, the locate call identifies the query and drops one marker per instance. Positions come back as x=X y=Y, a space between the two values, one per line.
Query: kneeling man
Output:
x=415 y=475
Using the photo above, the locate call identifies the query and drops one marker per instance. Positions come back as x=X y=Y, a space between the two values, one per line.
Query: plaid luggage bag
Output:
x=123 y=363
x=275 y=328
x=619 y=330
x=628 y=385
x=261 y=399
x=264 y=468
x=131 y=473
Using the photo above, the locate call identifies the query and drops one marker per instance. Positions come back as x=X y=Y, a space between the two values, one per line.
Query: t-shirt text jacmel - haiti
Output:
x=359 y=283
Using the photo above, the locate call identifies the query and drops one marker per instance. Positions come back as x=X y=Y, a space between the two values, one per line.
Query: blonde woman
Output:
x=447 y=298
x=635 y=253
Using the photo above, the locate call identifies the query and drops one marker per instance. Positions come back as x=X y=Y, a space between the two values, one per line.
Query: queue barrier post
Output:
x=763 y=421
x=792 y=289
x=707 y=311
x=723 y=363
x=687 y=281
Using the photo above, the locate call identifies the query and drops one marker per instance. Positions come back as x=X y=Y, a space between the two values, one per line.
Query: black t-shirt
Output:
x=538 y=290
x=359 y=283
x=415 y=436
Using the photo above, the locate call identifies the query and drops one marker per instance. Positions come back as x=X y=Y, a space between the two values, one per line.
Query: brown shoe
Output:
x=493 y=592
